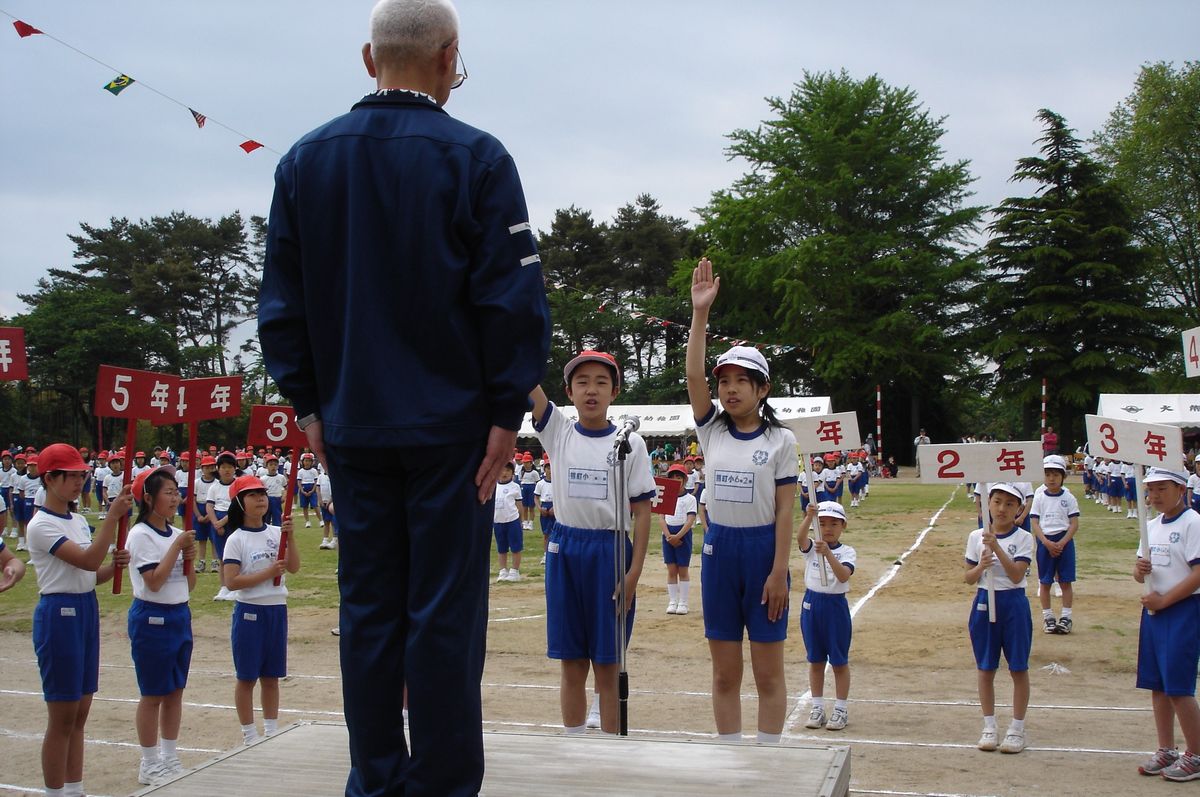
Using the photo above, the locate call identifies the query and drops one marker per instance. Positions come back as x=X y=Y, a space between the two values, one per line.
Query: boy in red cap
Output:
x=528 y=477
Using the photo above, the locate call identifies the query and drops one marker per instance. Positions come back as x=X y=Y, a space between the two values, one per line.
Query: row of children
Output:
x=70 y=560
x=1108 y=482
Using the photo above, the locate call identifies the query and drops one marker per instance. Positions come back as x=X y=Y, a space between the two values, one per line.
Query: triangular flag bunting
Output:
x=249 y=145
x=199 y=117
x=118 y=84
x=24 y=29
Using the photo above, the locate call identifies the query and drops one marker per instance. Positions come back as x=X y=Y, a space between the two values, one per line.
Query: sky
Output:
x=597 y=101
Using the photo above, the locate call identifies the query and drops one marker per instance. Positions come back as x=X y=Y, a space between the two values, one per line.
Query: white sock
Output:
x=818 y=702
x=684 y=586
x=1066 y=613
x=54 y=792
x=149 y=754
x=672 y=592
x=1017 y=725
x=989 y=723
x=270 y=726
x=839 y=704
x=168 y=748
x=73 y=789
x=1047 y=614
x=769 y=738
x=249 y=733
x=575 y=730
x=730 y=737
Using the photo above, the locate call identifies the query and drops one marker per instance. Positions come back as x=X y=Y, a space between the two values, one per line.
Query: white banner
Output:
x=1135 y=442
x=675 y=420
x=816 y=435
x=981 y=462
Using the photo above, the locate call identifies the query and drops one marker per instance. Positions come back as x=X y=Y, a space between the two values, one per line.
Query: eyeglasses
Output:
x=459 y=77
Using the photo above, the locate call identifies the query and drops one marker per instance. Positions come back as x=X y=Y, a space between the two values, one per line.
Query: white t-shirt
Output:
x=814 y=562
x=202 y=488
x=138 y=470
x=31 y=486
x=218 y=496
x=692 y=479
x=7 y=476
x=45 y=533
x=507 y=495
x=276 y=485
x=1054 y=511
x=1018 y=544
x=686 y=505
x=530 y=476
x=1174 y=548
x=544 y=492
x=113 y=483
x=39 y=498
x=584 y=461
x=744 y=470
x=255 y=551
x=325 y=488
x=1193 y=484
x=307 y=476
x=147 y=548
x=181 y=479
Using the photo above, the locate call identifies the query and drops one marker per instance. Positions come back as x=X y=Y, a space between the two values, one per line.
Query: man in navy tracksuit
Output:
x=404 y=315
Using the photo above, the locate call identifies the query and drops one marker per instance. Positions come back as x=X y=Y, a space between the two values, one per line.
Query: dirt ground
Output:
x=914 y=719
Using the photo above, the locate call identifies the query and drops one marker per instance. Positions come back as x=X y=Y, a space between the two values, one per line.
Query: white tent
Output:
x=1176 y=409
x=674 y=420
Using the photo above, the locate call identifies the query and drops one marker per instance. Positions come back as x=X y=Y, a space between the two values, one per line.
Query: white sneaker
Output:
x=214 y=566
x=682 y=608
x=308 y=524
x=1014 y=741
x=514 y=574
x=225 y=594
x=673 y=607
x=837 y=720
x=12 y=534
x=101 y=516
x=543 y=560
x=816 y=718
x=21 y=546
x=152 y=773
x=173 y=766
x=987 y=741
x=503 y=576
x=593 y=717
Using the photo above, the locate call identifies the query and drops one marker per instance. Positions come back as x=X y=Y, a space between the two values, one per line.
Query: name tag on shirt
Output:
x=736 y=486
x=1160 y=555
x=587 y=483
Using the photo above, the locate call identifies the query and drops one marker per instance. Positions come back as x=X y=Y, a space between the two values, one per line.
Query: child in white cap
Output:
x=825 y=612
x=1055 y=517
x=1169 y=639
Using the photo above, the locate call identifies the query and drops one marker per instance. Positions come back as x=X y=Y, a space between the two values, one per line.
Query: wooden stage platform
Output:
x=311 y=758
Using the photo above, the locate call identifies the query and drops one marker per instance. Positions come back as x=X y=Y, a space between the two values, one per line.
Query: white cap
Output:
x=831 y=509
x=1054 y=461
x=1164 y=475
x=748 y=357
x=1007 y=487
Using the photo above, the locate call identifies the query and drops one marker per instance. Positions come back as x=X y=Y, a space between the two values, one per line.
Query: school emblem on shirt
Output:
x=272 y=544
x=1012 y=550
x=1174 y=536
x=1063 y=503
x=759 y=458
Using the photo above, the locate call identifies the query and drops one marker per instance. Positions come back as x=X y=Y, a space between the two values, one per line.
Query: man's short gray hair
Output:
x=404 y=31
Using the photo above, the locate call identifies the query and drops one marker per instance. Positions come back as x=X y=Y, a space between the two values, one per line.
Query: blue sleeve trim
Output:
x=1073 y=514
x=56 y=545
x=849 y=565
x=539 y=424
x=145 y=568
x=237 y=562
x=972 y=562
x=1024 y=559
x=786 y=480
x=643 y=497
x=1031 y=514
x=708 y=416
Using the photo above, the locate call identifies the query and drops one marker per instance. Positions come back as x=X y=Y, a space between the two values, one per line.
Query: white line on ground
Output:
x=37 y=737
x=514 y=619
x=794 y=716
x=915 y=793
x=222 y=706
x=28 y=789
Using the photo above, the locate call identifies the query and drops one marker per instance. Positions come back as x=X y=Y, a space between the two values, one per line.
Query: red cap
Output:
x=59 y=456
x=185 y=455
x=682 y=471
x=139 y=454
x=33 y=460
x=21 y=457
x=225 y=454
x=272 y=458
x=83 y=451
x=307 y=455
x=117 y=456
x=243 y=483
x=527 y=457
x=590 y=356
x=207 y=460
x=139 y=484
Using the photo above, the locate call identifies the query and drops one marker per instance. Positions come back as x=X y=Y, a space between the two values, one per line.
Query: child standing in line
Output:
x=1169 y=639
x=276 y=484
x=324 y=498
x=1193 y=485
x=69 y=564
x=260 y=623
x=306 y=483
x=581 y=618
x=114 y=482
x=160 y=620
x=544 y=493
x=677 y=543
x=506 y=524
x=1001 y=552
x=218 y=501
x=745 y=579
x=1055 y=517
x=8 y=475
x=201 y=520
x=825 y=612
x=855 y=471
x=529 y=477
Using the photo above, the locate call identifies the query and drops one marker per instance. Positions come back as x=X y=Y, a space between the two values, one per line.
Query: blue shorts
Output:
x=18 y=510
x=581 y=619
x=547 y=521
x=218 y=539
x=1130 y=490
x=734 y=567
x=98 y=487
x=856 y=486
x=1062 y=566
x=274 y=510
x=160 y=640
x=326 y=515
x=1116 y=487
x=182 y=510
x=308 y=500
x=1169 y=648
x=203 y=529
x=259 y=637
x=681 y=556
x=825 y=626
x=1012 y=632
x=509 y=536
x=28 y=509
x=527 y=496
x=1196 y=502
x=66 y=639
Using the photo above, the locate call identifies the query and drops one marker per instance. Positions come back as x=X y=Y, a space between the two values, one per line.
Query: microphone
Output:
x=629 y=425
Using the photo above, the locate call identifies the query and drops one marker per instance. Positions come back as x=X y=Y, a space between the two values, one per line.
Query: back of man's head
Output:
x=404 y=32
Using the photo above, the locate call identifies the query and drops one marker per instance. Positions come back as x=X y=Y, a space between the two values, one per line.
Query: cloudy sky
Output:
x=597 y=101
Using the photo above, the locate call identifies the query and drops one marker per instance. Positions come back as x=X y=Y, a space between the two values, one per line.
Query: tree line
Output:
x=850 y=244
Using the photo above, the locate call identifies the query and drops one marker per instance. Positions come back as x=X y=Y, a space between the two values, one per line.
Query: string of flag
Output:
x=123 y=81
x=607 y=306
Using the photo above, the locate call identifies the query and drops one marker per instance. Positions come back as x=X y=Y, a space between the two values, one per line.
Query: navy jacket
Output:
x=402 y=295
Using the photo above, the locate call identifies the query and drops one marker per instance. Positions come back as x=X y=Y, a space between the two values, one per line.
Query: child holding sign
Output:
x=825 y=612
x=1169 y=640
x=677 y=543
x=752 y=493
x=1001 y=553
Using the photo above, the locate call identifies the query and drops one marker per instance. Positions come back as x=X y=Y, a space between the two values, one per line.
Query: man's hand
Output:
x=315 y=432
x=500 y=446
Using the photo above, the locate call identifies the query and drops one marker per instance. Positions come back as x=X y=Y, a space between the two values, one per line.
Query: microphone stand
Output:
x=621 y=447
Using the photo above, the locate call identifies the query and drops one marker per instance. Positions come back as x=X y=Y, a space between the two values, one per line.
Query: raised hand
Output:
x=704 y=285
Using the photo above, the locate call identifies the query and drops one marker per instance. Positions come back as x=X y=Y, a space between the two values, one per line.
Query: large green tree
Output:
x=847 y=236
x=1068 y=293
x=1151 y=145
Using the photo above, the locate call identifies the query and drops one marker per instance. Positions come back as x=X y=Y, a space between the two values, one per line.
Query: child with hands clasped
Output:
x=1169 y=640
x=750 y=496
x=1055 y=518
x=825 y=612
x=677 y=543
x=581 y=624
x=69 y=563
x=259 y=633
x=1001 y=552
x=507 y=526
x=159 y=621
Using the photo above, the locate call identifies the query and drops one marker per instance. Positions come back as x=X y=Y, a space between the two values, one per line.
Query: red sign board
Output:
x=274 y=425
x=13 y=364
x=209 y=398
x=666 y=496
x=130 y=393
